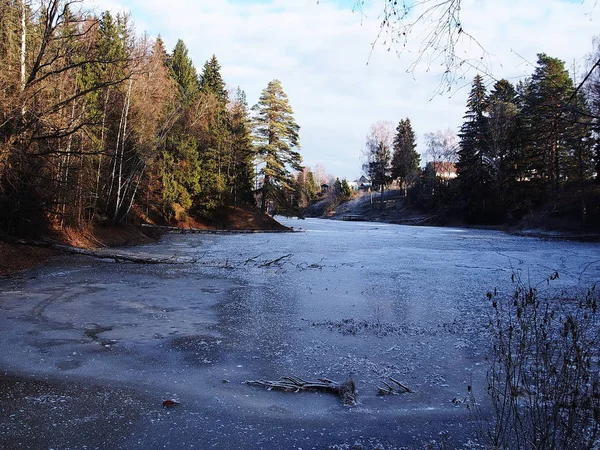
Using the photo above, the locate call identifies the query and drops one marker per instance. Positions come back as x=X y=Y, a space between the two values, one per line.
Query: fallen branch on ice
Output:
x=346 y=391
x=393 y=388
x=106 y=253
x=124 y=256
x=275 y=261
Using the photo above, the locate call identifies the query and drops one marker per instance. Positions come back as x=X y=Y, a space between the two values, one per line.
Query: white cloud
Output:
x=320 y=54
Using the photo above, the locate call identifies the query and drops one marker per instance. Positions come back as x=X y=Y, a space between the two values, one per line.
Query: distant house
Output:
x=363 y=184
x=445 y=170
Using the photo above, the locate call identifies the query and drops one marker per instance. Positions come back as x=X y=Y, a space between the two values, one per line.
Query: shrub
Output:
x=543 y=379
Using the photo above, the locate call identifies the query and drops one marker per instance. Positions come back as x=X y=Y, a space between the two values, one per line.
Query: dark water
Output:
x=90 y=348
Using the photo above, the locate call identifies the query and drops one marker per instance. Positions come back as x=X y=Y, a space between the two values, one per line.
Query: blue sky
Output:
x=320 y=54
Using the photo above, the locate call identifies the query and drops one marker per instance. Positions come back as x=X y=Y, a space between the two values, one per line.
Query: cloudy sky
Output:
x=336 y=83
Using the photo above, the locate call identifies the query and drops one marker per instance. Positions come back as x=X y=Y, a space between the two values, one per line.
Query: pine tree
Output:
x=276 y=136
x=405 y=159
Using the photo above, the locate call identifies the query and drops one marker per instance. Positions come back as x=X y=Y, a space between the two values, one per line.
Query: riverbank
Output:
x=367 y=208
x=16 y=256
x=19 y=255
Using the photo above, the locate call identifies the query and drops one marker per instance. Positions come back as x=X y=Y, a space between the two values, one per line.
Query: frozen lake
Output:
x=91 y=348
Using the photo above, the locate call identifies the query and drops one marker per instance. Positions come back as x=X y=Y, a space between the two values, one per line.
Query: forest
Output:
x=100 y=125
x=527 y=150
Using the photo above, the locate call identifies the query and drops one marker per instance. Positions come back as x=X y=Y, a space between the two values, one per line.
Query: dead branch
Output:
x=275 y=261
x=346 y=391
x=393 y=388
x=249 y=260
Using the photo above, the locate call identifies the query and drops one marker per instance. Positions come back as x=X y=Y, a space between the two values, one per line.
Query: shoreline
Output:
x=18 y=255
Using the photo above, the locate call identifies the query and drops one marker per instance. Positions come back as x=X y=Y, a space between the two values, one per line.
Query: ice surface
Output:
x=347 y=299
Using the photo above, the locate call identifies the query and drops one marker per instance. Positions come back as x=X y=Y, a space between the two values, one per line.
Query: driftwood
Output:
x=125 y=256
x=105 y=253
x=346 y=391
x=392 y=388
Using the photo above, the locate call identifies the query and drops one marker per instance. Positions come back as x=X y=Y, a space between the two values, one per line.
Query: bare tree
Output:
x=441 y=145
x=435 y=28
x=434 y=32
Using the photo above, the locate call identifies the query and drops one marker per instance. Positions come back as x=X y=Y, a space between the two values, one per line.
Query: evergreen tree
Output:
x=183 y=72
x=405 y=159
x=502 y=112
x=306 y=187
x=276 y=136
x=9 y=43
x=379 y=156
x=546 y=97
x=472 y=169
x=346 y=190
x=179 y=165
x=242 y=151
x=211 y=81
x=505 y=150
x=558 y=139
x=593 y=93
x=215 y=142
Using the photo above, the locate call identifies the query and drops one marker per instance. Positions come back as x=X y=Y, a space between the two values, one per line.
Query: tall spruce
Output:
x=211 y=81
x=546 y=100
x=215 y=141
x=277 y=139
x=505 y=150
x=179 y=163
x=472 y=168
x=405 y=159
x=183 y=72
x=242 y=151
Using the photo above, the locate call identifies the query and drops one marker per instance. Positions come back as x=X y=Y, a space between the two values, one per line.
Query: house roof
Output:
x=443 y=166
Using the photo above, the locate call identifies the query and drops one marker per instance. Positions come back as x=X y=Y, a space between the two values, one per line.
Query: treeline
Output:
x=309 y=188
x=97 y=122
x=529 y=148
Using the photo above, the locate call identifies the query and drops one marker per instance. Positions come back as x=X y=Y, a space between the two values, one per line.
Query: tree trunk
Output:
x=119 y=200
x=23 y=44
x=265 y=189
x=99 y=171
